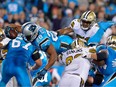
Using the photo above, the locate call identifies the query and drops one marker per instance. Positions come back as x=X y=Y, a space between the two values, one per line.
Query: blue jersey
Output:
x=19 y=52
x=42 y=41
x=47 y=77
x=45 y=38
x=108 y=68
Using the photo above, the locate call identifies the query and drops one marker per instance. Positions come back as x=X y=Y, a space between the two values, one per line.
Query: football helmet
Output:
x=2 y=35
x=75 y=44
x=29 y=31
x=87 y=20
x=112 y=41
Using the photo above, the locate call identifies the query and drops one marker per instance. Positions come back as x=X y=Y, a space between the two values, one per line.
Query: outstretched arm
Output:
x=66 y=30
x=36 y=58
x=53 y=56
x=16 y=27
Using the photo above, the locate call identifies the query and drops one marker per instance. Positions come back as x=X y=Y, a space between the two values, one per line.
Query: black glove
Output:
x=41 y=74
x=7 y=29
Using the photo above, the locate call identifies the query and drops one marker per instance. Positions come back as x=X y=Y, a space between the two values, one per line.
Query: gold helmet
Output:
x=87 y=20
x=112 y=41
x=2 y=35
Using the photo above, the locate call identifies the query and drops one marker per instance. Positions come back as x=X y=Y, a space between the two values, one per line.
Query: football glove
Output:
x=40 y=75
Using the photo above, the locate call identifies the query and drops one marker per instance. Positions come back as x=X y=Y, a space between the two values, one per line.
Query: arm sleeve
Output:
x=35 y=55
x=5 y=41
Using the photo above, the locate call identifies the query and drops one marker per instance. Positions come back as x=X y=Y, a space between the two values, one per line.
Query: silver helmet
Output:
x=29 y=31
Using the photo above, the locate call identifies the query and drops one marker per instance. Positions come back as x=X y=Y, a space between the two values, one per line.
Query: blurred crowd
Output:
x=53 y=14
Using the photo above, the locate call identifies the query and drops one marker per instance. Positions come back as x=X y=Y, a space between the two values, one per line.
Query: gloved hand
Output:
x=86 y=53
x=7 y=29
x=40 y=75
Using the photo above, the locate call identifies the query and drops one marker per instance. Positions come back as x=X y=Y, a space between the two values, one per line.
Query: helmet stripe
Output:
x=84 y=14
x=23 y=26
x=87 y=14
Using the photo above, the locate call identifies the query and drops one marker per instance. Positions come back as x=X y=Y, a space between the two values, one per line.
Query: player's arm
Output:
x=16 y=27
x=113 y=30
x=36 y=58
x=4 y=42
x=66 y=30
x=102 y=55
x=53 y=56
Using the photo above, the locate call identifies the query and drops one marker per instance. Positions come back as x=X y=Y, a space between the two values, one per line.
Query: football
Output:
x=13 y=34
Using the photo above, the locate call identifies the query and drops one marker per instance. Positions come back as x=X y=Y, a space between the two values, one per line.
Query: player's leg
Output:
x=69 y=80
x=22 y=77
x=5 y=73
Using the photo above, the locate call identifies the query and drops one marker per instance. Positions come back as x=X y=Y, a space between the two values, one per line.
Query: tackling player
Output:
x=76 y=68
x=106 y=61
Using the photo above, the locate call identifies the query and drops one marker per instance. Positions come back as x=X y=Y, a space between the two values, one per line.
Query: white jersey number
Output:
x=52 y=35
x=17 y=43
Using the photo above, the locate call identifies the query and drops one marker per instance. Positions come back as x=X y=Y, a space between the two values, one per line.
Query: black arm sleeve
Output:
x=35 y=55
x=102 y=55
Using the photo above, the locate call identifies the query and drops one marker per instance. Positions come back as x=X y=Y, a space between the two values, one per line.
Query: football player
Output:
x=46 y=41
x=34 y=34
x=76 y=68
x=106 y=61
x=15 y=63
x=85 y=28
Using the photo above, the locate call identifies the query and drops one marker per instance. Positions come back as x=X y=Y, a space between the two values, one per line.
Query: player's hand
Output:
x=86 y=53
x=7 y=29
x=40 y=75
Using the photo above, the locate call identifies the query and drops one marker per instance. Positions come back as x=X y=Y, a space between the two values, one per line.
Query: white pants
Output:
x=70 y=80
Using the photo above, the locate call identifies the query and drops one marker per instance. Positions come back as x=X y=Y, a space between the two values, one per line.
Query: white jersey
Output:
x=75 y=25
x=75 y=64
x=5 y=41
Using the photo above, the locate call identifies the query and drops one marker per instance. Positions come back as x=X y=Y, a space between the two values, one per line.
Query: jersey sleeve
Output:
x=74 y=23
x=5 y=41
x=44 y=44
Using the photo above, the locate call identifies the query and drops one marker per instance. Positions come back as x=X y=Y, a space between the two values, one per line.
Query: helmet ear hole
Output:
x=28 y=37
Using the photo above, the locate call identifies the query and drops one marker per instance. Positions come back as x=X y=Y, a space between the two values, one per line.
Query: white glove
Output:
x=114 y=63
x=86 y=53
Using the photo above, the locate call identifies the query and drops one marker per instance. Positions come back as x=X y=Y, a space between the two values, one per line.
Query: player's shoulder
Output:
x=95 y=25
x=75 y=22
x=42 y=30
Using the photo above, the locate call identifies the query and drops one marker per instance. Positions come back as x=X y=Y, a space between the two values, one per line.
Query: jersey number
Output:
x=51 y=34
x=70 y=59
x=17 y=43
